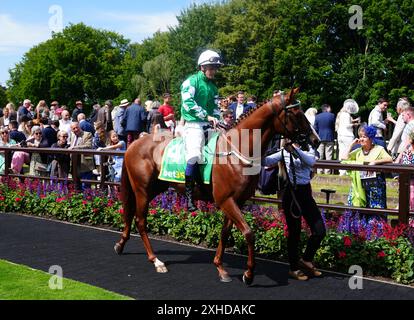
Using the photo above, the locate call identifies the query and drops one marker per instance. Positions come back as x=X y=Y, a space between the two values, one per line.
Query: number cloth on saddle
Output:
x=174 y=164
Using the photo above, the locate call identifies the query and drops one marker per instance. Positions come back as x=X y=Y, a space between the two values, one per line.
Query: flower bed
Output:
x=351 y=240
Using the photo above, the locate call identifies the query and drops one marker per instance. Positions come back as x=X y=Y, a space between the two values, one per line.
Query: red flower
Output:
x=273 y=225
x=59 y=200
x=153 y=212
x=121 y=211
x=2 y=198
x=194 y=214
x=381 y=254
x=84 y=202
x=342 y=254
x=347 y=241
x=18 y=199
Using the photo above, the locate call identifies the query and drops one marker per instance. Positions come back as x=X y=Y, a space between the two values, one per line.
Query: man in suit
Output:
x=239 y=107
x=134 y=121
x=325 y=127
x=82 y=140
x=105 y=116
x=48 y=132
x=84 y=124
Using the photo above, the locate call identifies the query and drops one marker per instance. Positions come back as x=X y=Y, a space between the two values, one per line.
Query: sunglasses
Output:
x=38 y=133
x=4 y=133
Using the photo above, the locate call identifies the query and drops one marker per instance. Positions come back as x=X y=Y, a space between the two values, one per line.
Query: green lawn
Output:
x=18 y=282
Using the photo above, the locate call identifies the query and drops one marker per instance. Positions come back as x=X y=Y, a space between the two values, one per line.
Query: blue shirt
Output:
x=303 y=165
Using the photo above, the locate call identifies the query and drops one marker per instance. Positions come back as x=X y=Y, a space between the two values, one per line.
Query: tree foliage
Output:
x=3 y=97
x=78 y=63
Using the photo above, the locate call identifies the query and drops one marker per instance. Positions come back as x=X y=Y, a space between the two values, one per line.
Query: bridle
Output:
x=295 y=136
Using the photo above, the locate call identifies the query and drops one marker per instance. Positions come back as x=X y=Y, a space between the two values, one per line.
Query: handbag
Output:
x=368 y=179
x=269 y=181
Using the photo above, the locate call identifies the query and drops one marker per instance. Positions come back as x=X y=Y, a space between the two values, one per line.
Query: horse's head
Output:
x=290 y=121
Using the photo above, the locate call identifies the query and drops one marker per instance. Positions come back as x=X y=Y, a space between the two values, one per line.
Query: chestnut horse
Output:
x=230 y=185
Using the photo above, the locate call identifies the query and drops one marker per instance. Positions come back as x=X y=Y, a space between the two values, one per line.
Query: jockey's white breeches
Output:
x=194 y=141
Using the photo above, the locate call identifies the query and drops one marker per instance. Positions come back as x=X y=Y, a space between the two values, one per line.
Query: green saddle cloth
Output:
x=174 y=164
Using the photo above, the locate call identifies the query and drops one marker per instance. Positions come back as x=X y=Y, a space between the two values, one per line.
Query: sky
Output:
x=25 y=23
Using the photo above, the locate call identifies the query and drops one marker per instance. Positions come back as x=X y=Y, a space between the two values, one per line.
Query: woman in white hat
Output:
x=345 y=127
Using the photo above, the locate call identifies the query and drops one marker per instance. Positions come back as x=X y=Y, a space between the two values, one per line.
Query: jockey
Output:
x=199 y=97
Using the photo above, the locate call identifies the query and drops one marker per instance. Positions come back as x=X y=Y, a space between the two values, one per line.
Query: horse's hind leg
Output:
x=233 y=212
x=218 y=259
x=141 y=221
x=128 y=216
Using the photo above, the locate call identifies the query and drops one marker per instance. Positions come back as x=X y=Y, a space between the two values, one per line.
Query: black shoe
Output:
x=189 y=191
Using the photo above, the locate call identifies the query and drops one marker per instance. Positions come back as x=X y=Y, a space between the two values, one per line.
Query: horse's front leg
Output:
x=232 y=211
x=218 y=259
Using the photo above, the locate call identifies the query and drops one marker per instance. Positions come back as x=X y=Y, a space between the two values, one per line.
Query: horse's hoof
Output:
x=161 y=269
x=160 y=266
x=225 y=278
x=118 y=249
x=247 y=281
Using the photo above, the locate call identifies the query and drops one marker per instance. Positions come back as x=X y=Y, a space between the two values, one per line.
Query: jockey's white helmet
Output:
x=210 y=57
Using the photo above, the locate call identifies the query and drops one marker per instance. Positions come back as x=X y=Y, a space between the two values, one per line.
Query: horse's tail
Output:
x=127 y=196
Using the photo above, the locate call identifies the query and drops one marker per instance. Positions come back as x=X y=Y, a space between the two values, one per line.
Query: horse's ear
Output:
x=292 y=94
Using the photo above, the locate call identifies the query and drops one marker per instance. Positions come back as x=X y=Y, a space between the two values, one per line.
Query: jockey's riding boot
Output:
x=189 y=191
x=200 y=182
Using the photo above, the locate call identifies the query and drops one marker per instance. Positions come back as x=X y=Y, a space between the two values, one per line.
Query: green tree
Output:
x=132 y=79
x=3 y=97
x=196 y=31
x=79 y=63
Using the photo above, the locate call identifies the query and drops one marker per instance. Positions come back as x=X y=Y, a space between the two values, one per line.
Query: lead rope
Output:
x=290 y=187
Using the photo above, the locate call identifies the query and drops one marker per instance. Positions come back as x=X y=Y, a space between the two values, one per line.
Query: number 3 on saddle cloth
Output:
x=173 y=161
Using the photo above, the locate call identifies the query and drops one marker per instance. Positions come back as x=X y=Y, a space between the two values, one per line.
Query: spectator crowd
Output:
x=344 y=136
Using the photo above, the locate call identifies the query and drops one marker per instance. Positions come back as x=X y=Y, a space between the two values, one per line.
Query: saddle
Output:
x=173 y=163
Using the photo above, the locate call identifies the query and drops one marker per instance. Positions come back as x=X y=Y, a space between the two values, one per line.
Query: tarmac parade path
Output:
x=87 y=255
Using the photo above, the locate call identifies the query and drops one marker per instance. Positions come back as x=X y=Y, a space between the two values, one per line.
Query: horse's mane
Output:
x=246 y=115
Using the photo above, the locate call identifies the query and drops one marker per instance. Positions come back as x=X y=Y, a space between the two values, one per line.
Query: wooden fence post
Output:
x=404 y=198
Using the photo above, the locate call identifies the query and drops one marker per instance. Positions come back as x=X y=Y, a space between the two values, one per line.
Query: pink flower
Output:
x=342 y=254
x=194 y=214
x=59 y=200
x=84 y=202
x=347 y=241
